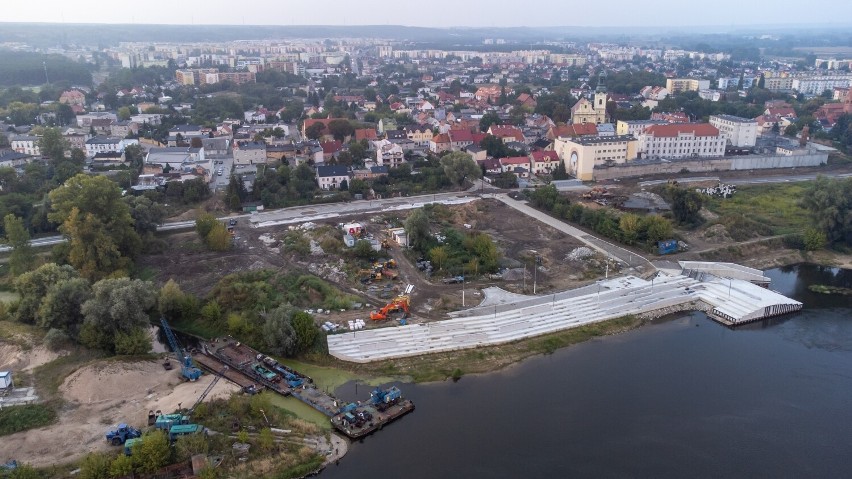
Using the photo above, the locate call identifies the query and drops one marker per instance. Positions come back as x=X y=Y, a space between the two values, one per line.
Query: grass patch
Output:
x=21 y=418
x=9 y=296
x=290 y=405
x=766 y=209
x=24 y=335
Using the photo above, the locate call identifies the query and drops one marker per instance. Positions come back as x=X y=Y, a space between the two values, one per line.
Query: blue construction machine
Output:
x=187 y=369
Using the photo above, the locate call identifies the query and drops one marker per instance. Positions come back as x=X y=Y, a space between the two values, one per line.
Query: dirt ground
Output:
x=99 y=396
x=519 y=238
x=13 y=357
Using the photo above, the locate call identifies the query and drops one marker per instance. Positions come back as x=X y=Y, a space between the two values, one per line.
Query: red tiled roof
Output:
x=544 y=156
x=461 y=135
x=699 y=129
x=442 y=138
x=515 y=160
x=365 y=134
x=507 y=132
x=331 y=147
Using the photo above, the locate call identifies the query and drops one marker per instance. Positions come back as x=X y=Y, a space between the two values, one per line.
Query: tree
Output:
x=153 y=452
x=686 y=205
x=124 y=113
x=117 y=307
x=657 y=228
x=438 y=255
x=417 y=229
x=147 y=215
x=33 y=287
x=121 y=466
x=364 y=250
x=98 y=223
x=204 y=224
x=830 y=202
x=53 y=145
x=306 y=330
x=340 y=129
x=170 y=300
x=629 y=224
x=95 y=465
x=190 y=445
x=487 y=120
x=133 y=342
x=458 y=166
x=61 y=307
x=219 y=239
x=278 y=332
x=814 y=239
x=22 y=257
x=265 y=440
x=315 y=131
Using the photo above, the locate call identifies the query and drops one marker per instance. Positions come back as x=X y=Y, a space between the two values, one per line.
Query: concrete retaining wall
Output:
x=718 y=164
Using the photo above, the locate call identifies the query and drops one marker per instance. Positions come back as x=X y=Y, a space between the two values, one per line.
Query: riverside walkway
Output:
x=727 y=300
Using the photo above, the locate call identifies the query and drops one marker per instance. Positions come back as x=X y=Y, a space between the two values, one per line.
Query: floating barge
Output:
x=355 y=420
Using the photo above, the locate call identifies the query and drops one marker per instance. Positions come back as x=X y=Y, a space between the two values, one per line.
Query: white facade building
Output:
x=739 y=132
x=682 y=140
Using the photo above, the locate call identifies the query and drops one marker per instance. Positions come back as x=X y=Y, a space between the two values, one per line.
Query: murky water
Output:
x=684 y=397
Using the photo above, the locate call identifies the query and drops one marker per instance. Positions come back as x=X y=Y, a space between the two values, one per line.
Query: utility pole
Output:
x=535 y=274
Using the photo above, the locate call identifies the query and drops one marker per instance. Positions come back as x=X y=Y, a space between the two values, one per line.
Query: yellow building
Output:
x=585 y=111
x=581 y=154
x=680 y=85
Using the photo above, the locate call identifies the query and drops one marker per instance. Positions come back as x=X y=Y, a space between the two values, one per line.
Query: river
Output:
x=682 y=397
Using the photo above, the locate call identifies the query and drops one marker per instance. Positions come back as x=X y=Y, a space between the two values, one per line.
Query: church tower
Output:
x=599 y=104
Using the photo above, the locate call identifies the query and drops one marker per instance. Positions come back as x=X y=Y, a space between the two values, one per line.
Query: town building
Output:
x=581 y=155
x=739 y=132
x=543 y=162
x=388 y=153
x=635 y=127
x=681 y=140
x=179 y=159
x=331 y=177
x=249 y=153
x=680 y=85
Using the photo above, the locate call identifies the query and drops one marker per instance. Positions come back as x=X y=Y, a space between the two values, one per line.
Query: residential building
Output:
x=582 y=154
x=421 y=135
x=85 y=121
x=680 y=85
x=519 y=165
x=543 y=162
x=682 y=140
x=739 y=132
x=440 y=143
x=179 y=159
x=103 y=144
x=73 y=98
x=388 y=153
x=330 y=177
x=249 y=153
x=507 y=133
x=816 y=85
x=26 y=144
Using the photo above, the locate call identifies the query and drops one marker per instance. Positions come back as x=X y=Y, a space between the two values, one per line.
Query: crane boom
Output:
x=187 y=369
x=207 y=391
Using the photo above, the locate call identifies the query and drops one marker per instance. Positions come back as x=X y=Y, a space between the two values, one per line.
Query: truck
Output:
x=166 y=421
x=453 y=280
x=184 y=430
x=121 y=434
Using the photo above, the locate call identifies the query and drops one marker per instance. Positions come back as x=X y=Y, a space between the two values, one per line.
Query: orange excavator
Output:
x=400 y=303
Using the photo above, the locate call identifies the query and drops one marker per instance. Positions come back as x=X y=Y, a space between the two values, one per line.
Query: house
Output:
x=102 y=144
x=388 y=153
x=421 y=135
x=216 y=146
x=671 y=117
x=476 y=152
x=492 y=166
x=440 y=143
x=123 y=128
x=179 y=159
x=507 y=133
x=573 y=130
x=26 y=144
x=102 y=126
x=255 y=116
x=331 y=177
x=513 y=163
x=331 y=148
x=368 y=134
x=371 y=172
x=85 y=121
x=14 y=159
x=73 y=98
x=183 y=134
x=543 y=162
x=526 y=100
x=249 y=153
x=459 y=139
x=108 y=159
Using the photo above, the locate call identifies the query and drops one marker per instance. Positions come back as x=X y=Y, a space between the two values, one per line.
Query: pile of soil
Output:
x=15 y=358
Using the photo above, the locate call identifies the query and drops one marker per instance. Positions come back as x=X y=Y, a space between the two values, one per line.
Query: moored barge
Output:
x=355 y=420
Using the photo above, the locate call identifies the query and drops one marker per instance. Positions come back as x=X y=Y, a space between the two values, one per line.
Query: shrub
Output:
x=814 y=239
x=55 y=340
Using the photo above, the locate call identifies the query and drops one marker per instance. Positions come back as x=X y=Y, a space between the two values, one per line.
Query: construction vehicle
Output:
x=400 y=303
x=122 y=434
x=384 y=398
x=167 y=421
x=187 y=369
x=185 y=430
x=453 y=280
x=369 y=275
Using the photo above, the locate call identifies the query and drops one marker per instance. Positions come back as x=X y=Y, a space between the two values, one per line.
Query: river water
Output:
x=683 y=397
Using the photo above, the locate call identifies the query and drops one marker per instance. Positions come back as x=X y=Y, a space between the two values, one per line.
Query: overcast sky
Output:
x=435 y=13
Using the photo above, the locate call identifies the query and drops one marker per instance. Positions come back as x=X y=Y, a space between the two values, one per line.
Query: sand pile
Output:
x=15 y=358
x=115 y=380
